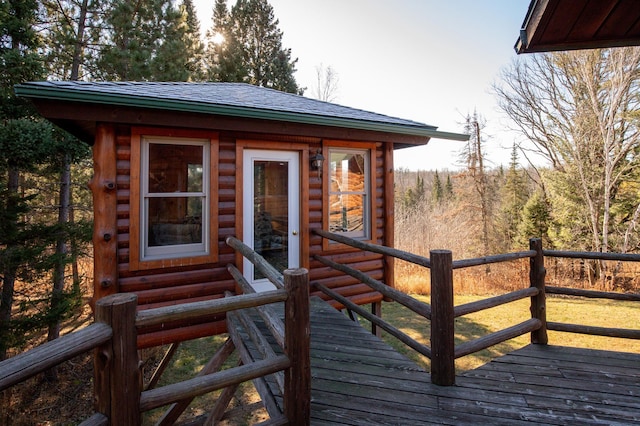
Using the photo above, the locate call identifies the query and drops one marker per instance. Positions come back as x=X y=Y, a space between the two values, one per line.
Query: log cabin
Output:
x=179 y=167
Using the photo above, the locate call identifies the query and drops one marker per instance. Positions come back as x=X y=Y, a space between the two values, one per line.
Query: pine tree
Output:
x=178 y=54
x=536 y=220
x=67 y=40
x=20 y=150
x=437 y=192
x=193 y=42
x=448 y=189
x=514 y=194
x=223 y=56
x=413 y=197
x=72 y=32
x=246 y=46
x=134 y=32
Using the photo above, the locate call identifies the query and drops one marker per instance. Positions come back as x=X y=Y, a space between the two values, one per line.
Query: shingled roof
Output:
x=226 y=99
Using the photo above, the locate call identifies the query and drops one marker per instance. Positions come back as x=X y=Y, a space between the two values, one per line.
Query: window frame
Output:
x=141 y=256
x=369 y=149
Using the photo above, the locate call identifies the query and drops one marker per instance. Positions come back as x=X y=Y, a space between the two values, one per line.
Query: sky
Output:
x=432 y=61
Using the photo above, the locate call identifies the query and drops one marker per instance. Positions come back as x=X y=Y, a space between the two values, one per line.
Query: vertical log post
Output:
x=537 y=273
x=103 y=187
x=376 y=309
x=389 y=214
x=443 y=368
x=118 y=382
x=297 y=378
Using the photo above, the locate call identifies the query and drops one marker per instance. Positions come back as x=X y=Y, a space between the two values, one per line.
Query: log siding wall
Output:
x=175 y=285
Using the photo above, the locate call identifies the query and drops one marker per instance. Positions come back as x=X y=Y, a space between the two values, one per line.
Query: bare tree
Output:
x=326 y=88
x=575 y=107
x=579 y=109
x=472 y=156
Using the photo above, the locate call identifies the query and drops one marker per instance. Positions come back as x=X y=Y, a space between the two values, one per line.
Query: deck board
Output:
x=357 y=379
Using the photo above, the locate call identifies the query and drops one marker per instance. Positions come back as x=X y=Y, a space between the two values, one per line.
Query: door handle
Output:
x=295 y=232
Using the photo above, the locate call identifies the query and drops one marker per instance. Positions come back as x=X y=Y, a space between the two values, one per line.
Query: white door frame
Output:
x=292 y=158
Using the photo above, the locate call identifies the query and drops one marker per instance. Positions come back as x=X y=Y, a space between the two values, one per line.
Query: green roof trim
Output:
x=228 y=99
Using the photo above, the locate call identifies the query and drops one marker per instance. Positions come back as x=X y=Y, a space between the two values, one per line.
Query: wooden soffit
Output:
x=552 y=25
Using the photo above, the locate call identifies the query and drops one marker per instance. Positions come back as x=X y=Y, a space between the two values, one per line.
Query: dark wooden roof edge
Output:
x=559 y=25
x=86 y=116
x=250 y=102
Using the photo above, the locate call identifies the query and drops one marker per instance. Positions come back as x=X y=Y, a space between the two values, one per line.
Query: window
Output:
x=172 y=199
x=349 y=192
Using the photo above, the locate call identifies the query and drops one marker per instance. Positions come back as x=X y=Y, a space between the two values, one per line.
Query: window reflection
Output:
x=348 y=203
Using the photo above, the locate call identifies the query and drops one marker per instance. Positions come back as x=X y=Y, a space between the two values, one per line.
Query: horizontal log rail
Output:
x=40 y=359
x=486 y=260
x=270 y=318
x=492 y=302
x=259 y=262
x=98 y=419
x=267 y=397
x=415 y=345
x=592 y=294
x=497 y=337
x=442 y=312
x=375 y=248
x=193 y=310
x=214 y=364
x=196 y=386
x=420 y=308
x=623 y=257
x=623 y=333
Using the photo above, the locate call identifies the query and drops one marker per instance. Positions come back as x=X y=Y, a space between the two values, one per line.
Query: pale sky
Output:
x=431 y=61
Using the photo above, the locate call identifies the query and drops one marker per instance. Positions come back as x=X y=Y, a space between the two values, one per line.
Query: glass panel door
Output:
x=271 y=211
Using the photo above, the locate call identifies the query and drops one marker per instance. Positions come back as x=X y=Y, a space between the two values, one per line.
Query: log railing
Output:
x=442 y=313
x=119 y=397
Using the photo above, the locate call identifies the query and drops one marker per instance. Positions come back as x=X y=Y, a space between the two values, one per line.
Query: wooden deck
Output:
x=357 y=379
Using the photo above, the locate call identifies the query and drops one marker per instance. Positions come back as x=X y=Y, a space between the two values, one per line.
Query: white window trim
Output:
x=178 y=250
x=366 y=153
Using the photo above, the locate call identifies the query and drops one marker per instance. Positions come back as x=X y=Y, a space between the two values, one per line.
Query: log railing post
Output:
x=443 y=369
x=537 y=273
x=297 y=378
x=118 y=382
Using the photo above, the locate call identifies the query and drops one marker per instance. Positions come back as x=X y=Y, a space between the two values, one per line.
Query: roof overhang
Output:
x=552 y=25
x=79 y=111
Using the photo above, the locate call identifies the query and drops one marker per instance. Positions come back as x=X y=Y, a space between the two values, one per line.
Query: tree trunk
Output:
x=10 y=268
x=61 y=247
x=65 y=199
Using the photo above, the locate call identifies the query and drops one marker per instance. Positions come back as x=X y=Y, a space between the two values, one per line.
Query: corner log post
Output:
x=118 y=381
x=443 y=369
x=537 y=274
x=297 y=378
x=103 y=187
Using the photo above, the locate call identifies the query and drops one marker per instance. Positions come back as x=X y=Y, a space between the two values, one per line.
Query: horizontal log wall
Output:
x=370 y=263
x=176 y=285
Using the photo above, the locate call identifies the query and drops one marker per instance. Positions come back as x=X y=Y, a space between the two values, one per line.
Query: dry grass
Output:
x=245 y=408
x=480 y=280
x=587 y=312
x=509 y=276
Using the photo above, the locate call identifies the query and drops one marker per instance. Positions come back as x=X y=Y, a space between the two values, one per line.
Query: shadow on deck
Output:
x=357 y=379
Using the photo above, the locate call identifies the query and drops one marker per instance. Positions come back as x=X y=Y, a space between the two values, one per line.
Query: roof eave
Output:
x=57 y=94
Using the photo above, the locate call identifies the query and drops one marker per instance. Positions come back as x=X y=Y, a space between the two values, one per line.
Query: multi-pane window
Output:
x=174 y=197
x=349 y=197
